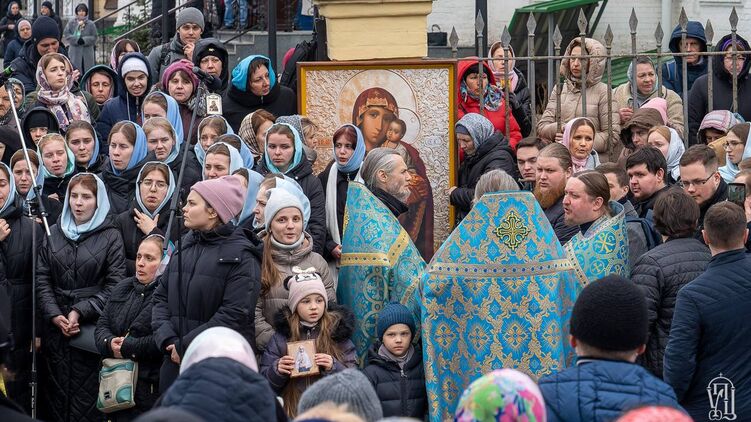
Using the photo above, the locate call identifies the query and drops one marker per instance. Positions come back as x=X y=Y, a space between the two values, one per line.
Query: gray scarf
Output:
x=401 y=361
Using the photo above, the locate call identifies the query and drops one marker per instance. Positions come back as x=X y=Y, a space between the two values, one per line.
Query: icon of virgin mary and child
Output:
x=376 y=113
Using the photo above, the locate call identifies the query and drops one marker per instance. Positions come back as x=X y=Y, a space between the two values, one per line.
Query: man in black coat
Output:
x=664 y=270
x=700 y=179
x=710 y=339
x=45 y=38
x=646 y=169
x=484 y=150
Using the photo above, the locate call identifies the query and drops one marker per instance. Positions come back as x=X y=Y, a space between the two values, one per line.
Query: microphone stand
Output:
x=174 y=208
x=42 y=214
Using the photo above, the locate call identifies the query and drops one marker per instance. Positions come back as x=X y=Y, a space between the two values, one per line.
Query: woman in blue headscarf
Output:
x=209 y=130
x=222 y=159
x=252 y=180
x=82 y=140
x=128 y=152
x=149 y=213
x=162 y=138
x=79 y=264
x=284 y=155
x=737 y=148
x=349 y=153
x=254 y=86
x=55 y=171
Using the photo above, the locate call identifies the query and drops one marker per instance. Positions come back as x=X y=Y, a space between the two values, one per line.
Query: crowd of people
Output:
x=235 y=304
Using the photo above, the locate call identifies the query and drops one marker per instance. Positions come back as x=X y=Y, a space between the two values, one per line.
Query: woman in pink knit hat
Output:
x=212 y=280
x=179 y=81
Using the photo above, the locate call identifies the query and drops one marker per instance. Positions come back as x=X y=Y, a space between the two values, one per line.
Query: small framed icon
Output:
x=304 y=354
x=214 y=104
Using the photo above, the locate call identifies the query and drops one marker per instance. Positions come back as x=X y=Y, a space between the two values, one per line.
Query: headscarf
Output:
x=297 y=144
x=219 y=342
x=640 y=98
x=499 y=74
x=198 y=149
x=68 y=224
x=578 y=163
x=730 y=170
x=235 y=159
x=21 y=108
x=140 y=150
x=493 y=96
x=12 y=193
x=241 y=73
x=10 y=14
x=173 y=115
x=355 y=161
x=295 y=121
x=55 y=100
x=501 y=395
x=245 y=153
x=165 y=201
x=254 y=185
x=95 y=153
x=249 y=136
x=70 y=167
x=478 y=126
x=675 y=152
x=719 y=120
x=661 y=105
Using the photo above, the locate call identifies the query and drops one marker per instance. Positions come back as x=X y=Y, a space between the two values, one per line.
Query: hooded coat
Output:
x=277 y=297
x=123 y=107
x=239 y=101
x=15 y=275
x=606 y=141
x=9 y=19
x=213 y=47
x=214 y=284
x=519 y=98
x=672 y=72
x=128 y=314
x=101 y=68
x=80 y=36
x=645 y=118
x=467 y=104
x=13 y=48
x=26 y=125
x=722 y=88
x=492 y=152
x=75 y=275
x=277 y=347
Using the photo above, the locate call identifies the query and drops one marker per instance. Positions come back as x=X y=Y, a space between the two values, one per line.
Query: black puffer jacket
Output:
x=222 y=386
x=495 y=153
x=220 y=285
x=15 y=274
x=193 y=171
x=401 y=392
x=121 y=189
x=128 y=311
x=75 y=275
x=342 y=184
x=132 y=235
x=660 y=273
x=311 y=187
x=521 y=104
x=54 y=186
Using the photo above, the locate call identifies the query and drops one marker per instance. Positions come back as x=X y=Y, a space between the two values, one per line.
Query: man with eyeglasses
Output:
x=701 y=180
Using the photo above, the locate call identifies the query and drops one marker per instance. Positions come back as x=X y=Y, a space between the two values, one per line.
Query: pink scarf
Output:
x=55 y=100
x=578 y=163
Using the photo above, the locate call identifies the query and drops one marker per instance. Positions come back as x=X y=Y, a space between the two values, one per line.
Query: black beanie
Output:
x=610 y=314
x=37 y=118
x=44 y=27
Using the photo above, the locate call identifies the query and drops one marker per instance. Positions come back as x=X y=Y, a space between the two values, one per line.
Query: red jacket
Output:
x=470 y=105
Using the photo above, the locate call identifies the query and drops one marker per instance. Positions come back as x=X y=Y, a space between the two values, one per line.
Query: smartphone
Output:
x=737 y=193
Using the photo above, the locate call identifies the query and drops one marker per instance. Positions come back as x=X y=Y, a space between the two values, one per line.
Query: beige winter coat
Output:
x=606 y=139
x=275 y=299
x=622 y=98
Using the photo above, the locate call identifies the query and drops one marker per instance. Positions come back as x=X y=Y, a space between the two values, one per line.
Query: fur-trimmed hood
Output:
x=342 y=332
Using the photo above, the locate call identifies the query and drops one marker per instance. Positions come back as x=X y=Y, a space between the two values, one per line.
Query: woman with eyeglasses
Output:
x=737 y=147
x=149 y=213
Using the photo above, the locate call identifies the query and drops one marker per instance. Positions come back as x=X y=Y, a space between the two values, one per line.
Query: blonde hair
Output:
x=50 y=137
x=159 y=123
x=663 y=131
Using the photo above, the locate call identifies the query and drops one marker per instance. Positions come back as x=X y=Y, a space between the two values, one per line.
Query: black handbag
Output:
x=85 y=339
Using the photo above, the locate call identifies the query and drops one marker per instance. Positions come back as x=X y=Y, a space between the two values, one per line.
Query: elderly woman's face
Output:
x=374 y=123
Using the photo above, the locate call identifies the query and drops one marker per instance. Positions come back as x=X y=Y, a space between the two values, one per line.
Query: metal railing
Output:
x=154 y=19
x=103 y=35
x=556 y=57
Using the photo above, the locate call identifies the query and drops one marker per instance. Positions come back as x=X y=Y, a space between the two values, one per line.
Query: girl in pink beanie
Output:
x=224 y=198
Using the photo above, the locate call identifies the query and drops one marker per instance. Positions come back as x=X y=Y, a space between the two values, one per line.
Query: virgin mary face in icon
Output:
x=374 y=109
